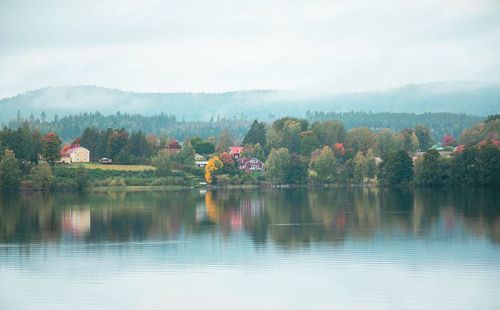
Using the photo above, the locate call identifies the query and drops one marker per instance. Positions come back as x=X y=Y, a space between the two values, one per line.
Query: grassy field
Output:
x=115 y=167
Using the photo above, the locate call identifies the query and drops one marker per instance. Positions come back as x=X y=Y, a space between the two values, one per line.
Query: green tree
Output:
x=308 y=142
x=489 y=165
x=360 y=139
x=296 y=172
x=89 y=140
x=225 y=141
x=396 y=169
x=51 y=147
x=409 y=139
x=431 y=170
x=360 y=168
x=82 y=179
x=10 y=175
x=465 y=168
x=424 y=137
x=186 y=155
x=329 y=132
x=277 y=164
x=372 y=165
x=118 y=146
x=42 y=177
x=254 y=151
x=256 y=134
x=203 y=147
x=387 y=142
x=140 y=149
x=162 y=163
x=325 y=165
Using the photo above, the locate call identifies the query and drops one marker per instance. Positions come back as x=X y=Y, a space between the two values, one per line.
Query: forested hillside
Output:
x=72 y=126
x=474 y=98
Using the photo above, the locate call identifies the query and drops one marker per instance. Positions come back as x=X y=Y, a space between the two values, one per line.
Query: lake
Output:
x=351 y=248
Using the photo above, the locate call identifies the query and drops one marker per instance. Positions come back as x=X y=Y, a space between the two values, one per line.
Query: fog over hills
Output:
x=475 y=98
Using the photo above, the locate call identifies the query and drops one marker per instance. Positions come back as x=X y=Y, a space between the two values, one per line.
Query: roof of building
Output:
x=236 y=149
x=174 y=145
x=67 y=152
x=243 y=161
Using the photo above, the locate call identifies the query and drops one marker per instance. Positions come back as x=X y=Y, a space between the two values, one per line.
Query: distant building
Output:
x=236 y=151
x=250 y=164
x=76 y=154
x=173 y=147
x=200 y=161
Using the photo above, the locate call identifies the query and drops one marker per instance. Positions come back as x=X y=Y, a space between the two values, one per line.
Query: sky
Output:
x=216 y=46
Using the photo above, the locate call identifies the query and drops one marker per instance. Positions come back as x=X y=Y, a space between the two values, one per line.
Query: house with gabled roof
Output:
x=75 y=154
x=236 y=151
x=250 y=164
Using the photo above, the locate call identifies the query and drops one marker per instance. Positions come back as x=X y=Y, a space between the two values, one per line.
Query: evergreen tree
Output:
x=256 y=134
x=396 y=169
x=10 y=175
x=424 y=137
x=296 y=172
x=431 y=170
x=225 y=141
x=489 y=165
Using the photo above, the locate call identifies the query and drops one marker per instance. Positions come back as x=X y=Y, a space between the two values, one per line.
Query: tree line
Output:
x=295 y=151
x=72 y=126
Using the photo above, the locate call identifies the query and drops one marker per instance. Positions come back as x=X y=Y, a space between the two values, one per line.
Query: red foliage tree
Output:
x=339 y=149
x=448 y=140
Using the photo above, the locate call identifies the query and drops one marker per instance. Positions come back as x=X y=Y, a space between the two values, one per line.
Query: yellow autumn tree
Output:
x=213 y=165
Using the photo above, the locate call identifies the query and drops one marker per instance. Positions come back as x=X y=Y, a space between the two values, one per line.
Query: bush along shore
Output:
x=287 y=152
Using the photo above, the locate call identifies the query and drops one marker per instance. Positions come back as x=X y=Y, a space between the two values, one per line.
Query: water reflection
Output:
x=288 y=218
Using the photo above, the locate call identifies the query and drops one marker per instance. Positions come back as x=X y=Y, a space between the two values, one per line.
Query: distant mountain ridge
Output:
x=474 y=98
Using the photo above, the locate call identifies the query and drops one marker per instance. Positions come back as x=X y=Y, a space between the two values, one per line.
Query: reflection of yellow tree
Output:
x=213 y=164
x=212 y=212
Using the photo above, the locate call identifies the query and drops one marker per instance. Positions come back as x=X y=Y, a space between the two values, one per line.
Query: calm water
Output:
x=289 y=249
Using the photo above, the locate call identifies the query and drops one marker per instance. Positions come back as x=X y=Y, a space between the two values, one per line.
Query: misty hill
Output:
x=474 y=98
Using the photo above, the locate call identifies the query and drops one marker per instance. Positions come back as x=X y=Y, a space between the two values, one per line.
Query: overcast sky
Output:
x=197 y=45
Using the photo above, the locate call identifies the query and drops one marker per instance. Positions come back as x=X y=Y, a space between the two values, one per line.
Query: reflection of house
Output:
x=235 y=151
x=250 y=164
x=199 y=161
x=76 y=154
x=173 y=147
x=76 y=222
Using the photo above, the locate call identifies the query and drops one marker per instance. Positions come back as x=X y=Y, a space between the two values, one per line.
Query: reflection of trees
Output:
x=291 y=218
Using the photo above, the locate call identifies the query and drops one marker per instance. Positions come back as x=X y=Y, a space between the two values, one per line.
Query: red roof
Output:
x=236 y=150
x=65 y=153
x=174 y=145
